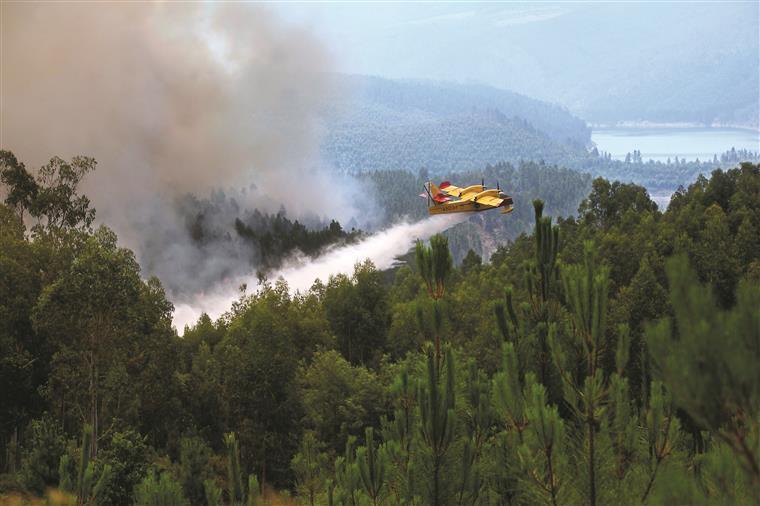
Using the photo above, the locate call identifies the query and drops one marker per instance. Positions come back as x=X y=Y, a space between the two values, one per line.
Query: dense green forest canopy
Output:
x=608 y=358
x=658 y=176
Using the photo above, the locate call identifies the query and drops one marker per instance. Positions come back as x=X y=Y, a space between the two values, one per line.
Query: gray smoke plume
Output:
x=382 y=248
x=170 y=98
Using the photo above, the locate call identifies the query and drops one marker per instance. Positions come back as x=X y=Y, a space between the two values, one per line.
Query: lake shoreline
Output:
x=643 y=125
x=661 y=144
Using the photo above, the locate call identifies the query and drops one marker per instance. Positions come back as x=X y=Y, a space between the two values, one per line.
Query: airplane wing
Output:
x=463 y=193
x=450 y=189
x=490 y=201
x=496 y=202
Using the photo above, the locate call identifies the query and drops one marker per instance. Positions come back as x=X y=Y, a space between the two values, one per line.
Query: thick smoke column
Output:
x=381 y=248
x=181 y=96
x=169 y=98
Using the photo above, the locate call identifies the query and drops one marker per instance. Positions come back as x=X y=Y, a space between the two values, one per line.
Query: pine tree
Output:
x=543 y=446
x=254 y=490
x=533 y=428
x=399 y=435
x=309 y=465
x=708 y=360
x=585 y=289
x=621 y=423
x=238 y=492
x=437 y=424
x=159 y=490
x=373 y=465
x=194 y=459
x=88 y=486
x=234 y=474
x=507 y=327
x=542 y=271
x=435 y=264
x=347 y=477
x=528 y=344
x=662 y=431
x=645 y=299
x=509 y=400
x=213 y=493
x=477 y=422
x=542 y=279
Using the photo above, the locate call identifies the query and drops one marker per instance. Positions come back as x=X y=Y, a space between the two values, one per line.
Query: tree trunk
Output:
x=93 y=404
x=264 y=469
x=438 y=353
x=591 y=470
x=96 y=425
x=552 y=489
x=436 y=480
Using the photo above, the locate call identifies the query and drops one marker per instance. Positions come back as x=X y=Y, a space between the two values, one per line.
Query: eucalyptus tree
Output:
x=87 y=313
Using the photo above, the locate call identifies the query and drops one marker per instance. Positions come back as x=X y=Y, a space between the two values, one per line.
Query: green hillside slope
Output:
x=375 y=124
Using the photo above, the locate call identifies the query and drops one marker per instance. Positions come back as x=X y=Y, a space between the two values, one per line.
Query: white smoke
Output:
x=382 y=248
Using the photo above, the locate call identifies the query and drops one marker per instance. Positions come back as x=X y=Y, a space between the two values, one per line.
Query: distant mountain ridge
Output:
x=447 y=98
x=374 y=123
x=608 y=62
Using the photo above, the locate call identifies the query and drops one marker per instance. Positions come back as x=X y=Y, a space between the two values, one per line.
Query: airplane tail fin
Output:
x=436 y=194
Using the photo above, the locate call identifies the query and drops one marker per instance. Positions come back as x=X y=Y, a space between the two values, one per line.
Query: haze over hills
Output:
x=608 y=63
x=376 y=123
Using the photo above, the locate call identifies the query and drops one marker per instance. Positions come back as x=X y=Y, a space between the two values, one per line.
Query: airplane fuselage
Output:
x=474 y=198
x=464 y=206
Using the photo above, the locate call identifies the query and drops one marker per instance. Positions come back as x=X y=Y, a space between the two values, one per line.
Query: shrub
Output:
x=39 y=462
x=194 y=460
x=159 y=490
x=127 y=456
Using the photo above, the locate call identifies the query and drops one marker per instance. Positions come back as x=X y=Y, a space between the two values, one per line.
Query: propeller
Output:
x=427 y=190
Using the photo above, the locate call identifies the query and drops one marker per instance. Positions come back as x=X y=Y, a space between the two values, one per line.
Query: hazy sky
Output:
x=566 y=52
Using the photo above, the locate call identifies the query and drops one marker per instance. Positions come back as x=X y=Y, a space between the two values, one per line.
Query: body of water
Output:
x=663 y=143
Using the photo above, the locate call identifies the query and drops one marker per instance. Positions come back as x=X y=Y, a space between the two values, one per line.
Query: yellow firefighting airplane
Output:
x=448 y=198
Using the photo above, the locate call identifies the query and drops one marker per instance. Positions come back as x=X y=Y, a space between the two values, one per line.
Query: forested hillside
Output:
x=657 y=176
x=377 y=124
x=605 y=359
x=562 y=189
x=444 y=128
